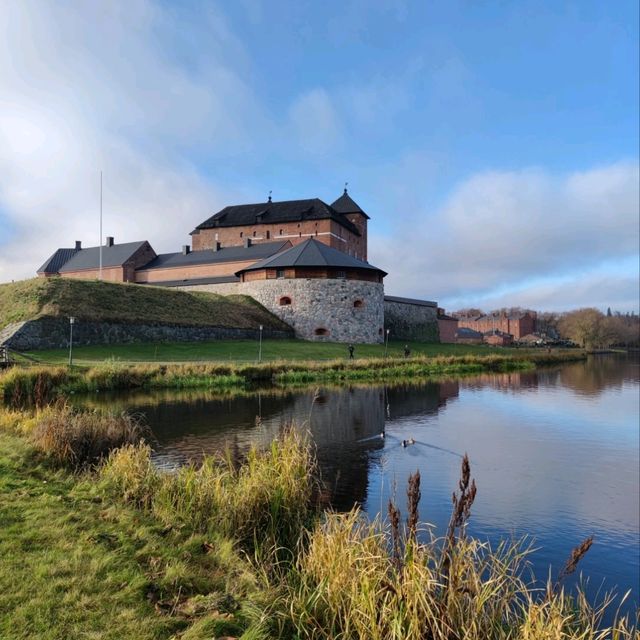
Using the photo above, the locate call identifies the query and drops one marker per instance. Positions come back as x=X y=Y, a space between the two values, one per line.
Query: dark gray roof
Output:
x=312 y=253
x=57 y=260
x=419 y=303
x=192 y=281
x=112 y=256
x=345 y=204
x=275 y=212
x=465 y=332
x=256 y=251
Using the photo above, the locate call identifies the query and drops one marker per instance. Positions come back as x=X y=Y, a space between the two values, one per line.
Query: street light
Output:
x=386 y=344
x=72 y=321
x=260 y=346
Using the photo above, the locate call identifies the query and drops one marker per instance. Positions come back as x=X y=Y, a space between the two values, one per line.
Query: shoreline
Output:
x=42 y=385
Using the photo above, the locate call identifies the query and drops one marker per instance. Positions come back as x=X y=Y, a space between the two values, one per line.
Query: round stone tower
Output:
x=323 y=293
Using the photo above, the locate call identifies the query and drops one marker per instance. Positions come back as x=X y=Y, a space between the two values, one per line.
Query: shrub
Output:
x=79 y=439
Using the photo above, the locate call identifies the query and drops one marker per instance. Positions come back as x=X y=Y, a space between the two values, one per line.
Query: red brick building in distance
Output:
x=447 y=326
x=516 y=324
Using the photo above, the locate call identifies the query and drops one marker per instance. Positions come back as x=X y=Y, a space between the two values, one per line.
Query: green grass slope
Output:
x=106 y=301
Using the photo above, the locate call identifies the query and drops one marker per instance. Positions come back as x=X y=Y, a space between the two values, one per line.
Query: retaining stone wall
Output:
x=411 y=321
x=324 y=304
x=53 y=333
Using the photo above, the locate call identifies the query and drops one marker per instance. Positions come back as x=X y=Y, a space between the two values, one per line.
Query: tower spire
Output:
x=346 y=184
x=269 y=196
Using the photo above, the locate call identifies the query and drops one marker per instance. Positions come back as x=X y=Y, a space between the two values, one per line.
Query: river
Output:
x=555 y=453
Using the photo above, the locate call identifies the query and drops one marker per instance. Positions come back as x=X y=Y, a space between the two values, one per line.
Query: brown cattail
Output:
x=576 y=555
x=413 y=499
x=394 y=518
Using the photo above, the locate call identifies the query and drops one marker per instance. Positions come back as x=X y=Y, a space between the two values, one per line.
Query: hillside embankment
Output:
x=34 y=314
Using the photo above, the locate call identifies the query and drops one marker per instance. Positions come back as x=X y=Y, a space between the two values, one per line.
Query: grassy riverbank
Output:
x=19 y=386
x=239 y=548
x=245 y=351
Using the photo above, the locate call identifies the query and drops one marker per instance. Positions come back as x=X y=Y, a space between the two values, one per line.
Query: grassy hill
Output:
x=106 y=301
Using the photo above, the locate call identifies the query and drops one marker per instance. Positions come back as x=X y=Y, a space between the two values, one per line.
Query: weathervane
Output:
x=346 y=184
x=269 y=195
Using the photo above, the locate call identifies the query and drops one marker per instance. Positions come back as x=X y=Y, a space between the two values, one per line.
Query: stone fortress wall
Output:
x=333 y=310
x=409 y=319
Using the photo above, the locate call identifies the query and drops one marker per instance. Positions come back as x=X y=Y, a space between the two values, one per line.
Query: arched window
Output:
x=321 y=331
x=241 y=234
x=284 y=301
x=268 y=235
x=254 y=234
x=380 y=331
x=358 y=304
x=280 y=231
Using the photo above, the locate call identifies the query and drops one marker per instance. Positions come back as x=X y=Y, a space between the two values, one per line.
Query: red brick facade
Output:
x=518 y=325
x=447 y=327
x=326 y=231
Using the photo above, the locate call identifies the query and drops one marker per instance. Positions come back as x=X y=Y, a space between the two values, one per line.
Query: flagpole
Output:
x=100 y=225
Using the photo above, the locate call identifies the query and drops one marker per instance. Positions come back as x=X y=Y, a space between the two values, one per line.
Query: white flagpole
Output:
x=101 y=225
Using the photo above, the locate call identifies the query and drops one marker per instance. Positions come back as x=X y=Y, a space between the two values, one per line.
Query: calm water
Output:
x=554 y=453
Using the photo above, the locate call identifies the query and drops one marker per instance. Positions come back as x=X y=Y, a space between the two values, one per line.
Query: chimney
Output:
x=109 y=242
x=247 y=243
x=78 y=245
x=217 y=246
x=186 y=249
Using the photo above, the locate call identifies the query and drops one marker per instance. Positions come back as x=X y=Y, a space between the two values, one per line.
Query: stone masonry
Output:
x=411 y=319
x=332 y=310
x=53 y=333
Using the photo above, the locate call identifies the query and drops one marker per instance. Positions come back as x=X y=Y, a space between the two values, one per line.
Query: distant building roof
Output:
x=275 y=212
x=345 y=204
x=497 y=332
x=57 y=260
x=256 y=251
x=192 y=281
x=465 y=332
x=419 y=303
x=444 y=316
x=312 y=253
x=112 y=256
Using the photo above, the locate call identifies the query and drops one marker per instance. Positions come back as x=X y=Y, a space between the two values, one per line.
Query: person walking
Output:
x=407 y=351
x=351 y=349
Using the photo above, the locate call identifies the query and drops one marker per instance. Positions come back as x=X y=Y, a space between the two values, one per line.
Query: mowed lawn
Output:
x=248 y=351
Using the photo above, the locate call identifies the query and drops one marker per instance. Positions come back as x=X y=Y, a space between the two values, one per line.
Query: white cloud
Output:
x=92 y=86
x=502 y=229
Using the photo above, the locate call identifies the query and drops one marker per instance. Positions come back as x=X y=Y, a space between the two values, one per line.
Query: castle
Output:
x=304 y=260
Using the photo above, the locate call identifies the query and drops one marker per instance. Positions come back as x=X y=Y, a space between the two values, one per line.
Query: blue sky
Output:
x=494 y=144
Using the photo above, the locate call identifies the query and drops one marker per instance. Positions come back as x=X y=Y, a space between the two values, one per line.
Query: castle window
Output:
x=280 y=231
x=280 y=273
x=284 y=301
x=358 y=304
x=254 y=234
x=341 y=274
x=241 y=234
x=321 y=331
x=380 y=331
x=268 y=235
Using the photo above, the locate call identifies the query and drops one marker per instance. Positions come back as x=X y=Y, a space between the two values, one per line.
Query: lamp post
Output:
x=386 y=344
x=260 y=346
x=72 y=321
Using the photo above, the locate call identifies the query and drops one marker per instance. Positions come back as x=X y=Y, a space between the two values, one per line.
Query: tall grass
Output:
x=39 y=386
x=80 y=439
x=362 y=580
x=263 y=501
